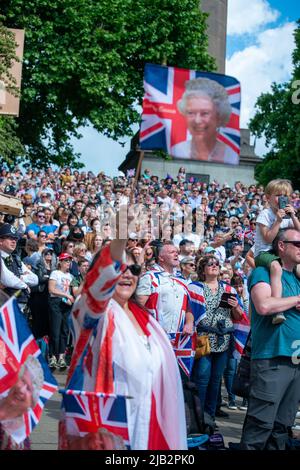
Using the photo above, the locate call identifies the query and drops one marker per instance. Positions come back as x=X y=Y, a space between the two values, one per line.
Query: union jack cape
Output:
x=163 y=127
x=16 y=344
x=110 y=358
x=241 y=327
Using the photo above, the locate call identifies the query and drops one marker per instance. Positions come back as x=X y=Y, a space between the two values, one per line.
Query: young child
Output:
x=268 y=223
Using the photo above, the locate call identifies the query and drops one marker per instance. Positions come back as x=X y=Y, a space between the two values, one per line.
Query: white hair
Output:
x=35 y=370
x=211 y=89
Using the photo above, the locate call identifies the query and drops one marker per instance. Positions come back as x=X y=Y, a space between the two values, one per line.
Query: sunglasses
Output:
x=212 y=263
x=135 y=269
x=41 y=216
x=292 y=242
x=191 y=264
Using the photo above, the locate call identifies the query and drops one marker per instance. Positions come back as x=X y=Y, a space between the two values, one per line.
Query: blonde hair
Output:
x=78 y=247
x=279 y=185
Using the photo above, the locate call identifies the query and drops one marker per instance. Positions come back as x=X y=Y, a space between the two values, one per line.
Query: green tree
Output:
x=10 y=145
x=278 y=120
x=84 y=60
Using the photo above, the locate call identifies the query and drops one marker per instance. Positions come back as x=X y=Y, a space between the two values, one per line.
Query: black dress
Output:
x=38 y=303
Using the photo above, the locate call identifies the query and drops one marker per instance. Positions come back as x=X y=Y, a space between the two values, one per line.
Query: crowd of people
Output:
x=156 y=256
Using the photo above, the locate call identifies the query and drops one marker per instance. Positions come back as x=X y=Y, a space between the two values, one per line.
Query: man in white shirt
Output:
x=18 y=277
x=164 y=295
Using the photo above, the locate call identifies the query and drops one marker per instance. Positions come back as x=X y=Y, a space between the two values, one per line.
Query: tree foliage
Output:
x=84 y=60
x=278 y=119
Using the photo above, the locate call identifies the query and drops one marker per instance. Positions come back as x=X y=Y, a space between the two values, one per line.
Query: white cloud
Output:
x=268 y=60
x=248 y=17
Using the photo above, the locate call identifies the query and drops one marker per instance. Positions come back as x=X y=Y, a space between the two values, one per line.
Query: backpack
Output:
x=197 y=421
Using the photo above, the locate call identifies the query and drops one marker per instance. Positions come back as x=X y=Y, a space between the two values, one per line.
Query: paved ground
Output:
x=44 y=437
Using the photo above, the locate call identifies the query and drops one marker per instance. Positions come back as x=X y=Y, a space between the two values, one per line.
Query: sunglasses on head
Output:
x=292 y=242
x=135 y=269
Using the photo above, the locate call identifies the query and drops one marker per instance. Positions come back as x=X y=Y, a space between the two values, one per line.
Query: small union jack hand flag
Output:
x=184 y=346
x=22 y=359
x=86 y=412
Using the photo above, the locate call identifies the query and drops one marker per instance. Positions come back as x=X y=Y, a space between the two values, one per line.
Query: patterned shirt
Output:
x=214 y=314
x=168 y=298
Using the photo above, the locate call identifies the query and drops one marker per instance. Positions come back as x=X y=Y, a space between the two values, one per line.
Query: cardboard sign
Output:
x=10 y=104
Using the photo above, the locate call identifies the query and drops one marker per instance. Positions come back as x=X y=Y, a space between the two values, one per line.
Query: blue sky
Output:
x=259 y=46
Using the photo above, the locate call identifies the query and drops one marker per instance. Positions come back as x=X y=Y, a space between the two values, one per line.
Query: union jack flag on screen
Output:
x=86 y=412
x=184 y=347
x=164 y=127
x=17 y=344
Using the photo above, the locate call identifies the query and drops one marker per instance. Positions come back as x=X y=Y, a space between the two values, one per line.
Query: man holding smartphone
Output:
x=275 y=363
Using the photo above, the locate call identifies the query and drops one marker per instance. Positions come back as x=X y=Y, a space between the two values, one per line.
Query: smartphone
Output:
x=224 y=299
x=283 y=202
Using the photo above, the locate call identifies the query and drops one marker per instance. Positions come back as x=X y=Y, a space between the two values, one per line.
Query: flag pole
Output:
x=139 y=166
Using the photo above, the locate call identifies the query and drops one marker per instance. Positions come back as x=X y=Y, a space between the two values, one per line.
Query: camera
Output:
x=283 y=202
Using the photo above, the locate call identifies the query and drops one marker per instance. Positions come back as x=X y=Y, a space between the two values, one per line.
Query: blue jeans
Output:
x=229 y=374
x=207 y=375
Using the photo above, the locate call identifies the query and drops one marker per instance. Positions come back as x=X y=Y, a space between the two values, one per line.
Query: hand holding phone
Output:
x=224 y=299
x=283 y=202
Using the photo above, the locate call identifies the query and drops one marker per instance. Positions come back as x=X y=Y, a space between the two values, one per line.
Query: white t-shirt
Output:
x=267 y=218
x=220 y=253
x=62 y=281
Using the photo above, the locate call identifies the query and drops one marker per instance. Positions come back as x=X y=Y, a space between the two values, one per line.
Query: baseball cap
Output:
x=209 y=249
x=133 y=236
x=7 y=230
x=187 y=260
x=64 y=256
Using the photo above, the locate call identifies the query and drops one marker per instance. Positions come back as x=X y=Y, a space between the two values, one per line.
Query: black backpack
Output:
x=197 y=421
x=241 y=381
